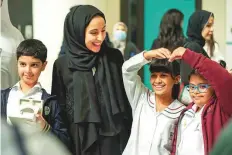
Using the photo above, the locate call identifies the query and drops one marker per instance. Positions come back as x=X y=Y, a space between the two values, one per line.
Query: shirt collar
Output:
x=36 y=87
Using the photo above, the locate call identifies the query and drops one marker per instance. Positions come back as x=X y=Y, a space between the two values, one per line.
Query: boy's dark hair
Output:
x=32 y=47
x=173 y=68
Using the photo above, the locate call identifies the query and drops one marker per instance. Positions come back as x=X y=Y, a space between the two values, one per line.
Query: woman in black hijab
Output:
x=88 y=84
x=198 y=22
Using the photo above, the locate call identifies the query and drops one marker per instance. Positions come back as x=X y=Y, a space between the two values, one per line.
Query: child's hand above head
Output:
x=230 y=71
x=160 y=53
x=177 y=54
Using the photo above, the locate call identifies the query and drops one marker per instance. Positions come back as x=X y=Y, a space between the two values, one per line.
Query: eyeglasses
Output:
x=201 y=88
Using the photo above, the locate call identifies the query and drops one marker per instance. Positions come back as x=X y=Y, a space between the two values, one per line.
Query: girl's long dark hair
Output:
x=171 y=33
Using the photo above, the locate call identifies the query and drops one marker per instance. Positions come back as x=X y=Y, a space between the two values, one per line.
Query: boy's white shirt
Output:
x=151 y=131
x=16 y=94
x=190 y=129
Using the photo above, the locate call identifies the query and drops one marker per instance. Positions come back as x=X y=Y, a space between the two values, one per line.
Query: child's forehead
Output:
x=29 y=59
x=197 y=79
x=157 y=73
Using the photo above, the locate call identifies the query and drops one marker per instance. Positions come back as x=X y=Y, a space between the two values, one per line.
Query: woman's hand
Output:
x=161 y=53
x=177 y=54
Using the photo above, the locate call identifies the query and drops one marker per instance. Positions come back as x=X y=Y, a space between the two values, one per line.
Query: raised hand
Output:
x=177 y=54
x=161 y=53
x=230 y=71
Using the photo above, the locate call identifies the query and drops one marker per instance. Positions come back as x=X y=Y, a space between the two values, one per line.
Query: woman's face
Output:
x=95 y=34
x=120 y=33
x=121 y=27
x=207 y=31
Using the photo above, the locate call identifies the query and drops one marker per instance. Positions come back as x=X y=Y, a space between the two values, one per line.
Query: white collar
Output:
x=36 y=86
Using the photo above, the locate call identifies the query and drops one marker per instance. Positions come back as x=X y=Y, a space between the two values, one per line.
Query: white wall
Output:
x=48 y=21
x=229 y=33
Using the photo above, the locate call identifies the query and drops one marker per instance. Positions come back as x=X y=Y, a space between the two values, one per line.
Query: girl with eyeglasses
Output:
x=201 y=122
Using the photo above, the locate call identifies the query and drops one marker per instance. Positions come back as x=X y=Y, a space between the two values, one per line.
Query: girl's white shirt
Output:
x=152 y=131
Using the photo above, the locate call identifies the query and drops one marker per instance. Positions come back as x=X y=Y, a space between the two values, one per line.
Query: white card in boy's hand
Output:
x=23 y=118
x=31 y=105
x=28 y=108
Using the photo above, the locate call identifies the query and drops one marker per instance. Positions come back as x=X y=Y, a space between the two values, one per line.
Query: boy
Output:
x=31 y=60
x=154 y=113
x=202 y=121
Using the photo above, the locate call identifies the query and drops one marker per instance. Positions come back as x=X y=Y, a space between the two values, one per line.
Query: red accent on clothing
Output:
x=219 y=110
x=176 y=108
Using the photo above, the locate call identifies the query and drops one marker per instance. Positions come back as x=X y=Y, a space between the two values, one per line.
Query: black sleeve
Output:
x=58 y=126
x=185 y=68
x=58 y=87
x=128 y=115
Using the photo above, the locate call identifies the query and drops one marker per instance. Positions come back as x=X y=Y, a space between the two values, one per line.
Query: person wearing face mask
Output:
x=88 y=83
x=121 y=42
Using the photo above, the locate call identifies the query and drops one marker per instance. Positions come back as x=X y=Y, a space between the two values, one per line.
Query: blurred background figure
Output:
x=213 y=51
x=200 y=27
x=18 y=140
x=223 y=145
x=171 y=32
x=10 y=39
x=121 y=42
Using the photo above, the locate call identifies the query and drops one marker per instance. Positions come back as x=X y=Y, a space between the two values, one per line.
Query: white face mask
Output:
x=120 y=35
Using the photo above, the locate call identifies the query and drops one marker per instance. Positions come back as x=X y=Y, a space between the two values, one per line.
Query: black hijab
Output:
x=98 y=100
x=196 y=24
x=195 y=41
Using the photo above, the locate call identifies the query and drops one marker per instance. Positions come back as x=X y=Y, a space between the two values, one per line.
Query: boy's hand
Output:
x=177 y=54
x=40 y=120
x=161 y=53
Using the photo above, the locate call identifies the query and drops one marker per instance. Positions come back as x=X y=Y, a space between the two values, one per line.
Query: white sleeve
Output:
x=134 y=87
x=217 y=53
